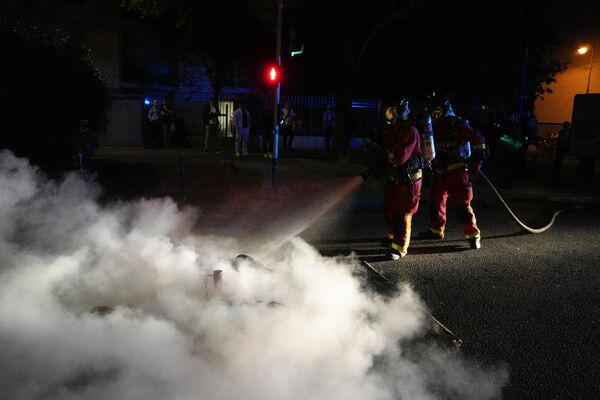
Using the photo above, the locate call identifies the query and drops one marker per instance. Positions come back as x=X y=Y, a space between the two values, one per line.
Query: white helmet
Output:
x=403 y=110
x=448 y=110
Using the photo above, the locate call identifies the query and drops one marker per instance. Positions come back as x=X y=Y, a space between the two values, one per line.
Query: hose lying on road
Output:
x=436 y=326
x=532 y=230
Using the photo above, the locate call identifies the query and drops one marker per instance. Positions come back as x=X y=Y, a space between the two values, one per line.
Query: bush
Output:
x=50 y=92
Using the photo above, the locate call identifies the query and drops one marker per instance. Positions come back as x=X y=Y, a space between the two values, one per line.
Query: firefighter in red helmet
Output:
x=403 y=177
x=455 y=140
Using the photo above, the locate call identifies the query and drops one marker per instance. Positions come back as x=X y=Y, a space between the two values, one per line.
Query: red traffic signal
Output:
x=273 y=75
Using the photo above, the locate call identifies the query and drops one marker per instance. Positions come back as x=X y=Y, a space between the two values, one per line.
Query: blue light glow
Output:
x=370 y=105
x=147 y=101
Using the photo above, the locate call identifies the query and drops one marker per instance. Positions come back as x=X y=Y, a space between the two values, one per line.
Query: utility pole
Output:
x=587 y=91
x=277 y=97
x=583 y=50
x=523 y=80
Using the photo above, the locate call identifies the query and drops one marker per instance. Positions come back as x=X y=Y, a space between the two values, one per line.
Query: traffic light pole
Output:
x=277 y=97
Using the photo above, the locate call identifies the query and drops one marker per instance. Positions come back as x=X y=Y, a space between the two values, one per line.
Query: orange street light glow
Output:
x=582 y=50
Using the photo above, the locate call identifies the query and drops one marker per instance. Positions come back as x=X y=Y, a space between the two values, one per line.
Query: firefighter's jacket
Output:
x=403 y=149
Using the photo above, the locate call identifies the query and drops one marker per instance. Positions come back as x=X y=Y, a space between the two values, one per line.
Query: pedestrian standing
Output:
x=563 y=142
x=288 y=120
x=155 y=124
x=167 y=116
x=241 y=122
x=211 y=127
x=328 y=125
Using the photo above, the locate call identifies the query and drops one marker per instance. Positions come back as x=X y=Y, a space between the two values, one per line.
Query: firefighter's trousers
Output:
x=456 y=189
x=400 y=203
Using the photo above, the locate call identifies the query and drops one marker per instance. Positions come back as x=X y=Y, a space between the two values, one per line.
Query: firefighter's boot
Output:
x=475 y=243
x=396 y=255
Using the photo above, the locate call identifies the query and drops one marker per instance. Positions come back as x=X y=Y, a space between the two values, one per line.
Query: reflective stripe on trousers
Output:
x=400 y=228
x=456 y=189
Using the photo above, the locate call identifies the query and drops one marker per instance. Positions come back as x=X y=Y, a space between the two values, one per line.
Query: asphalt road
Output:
x=528 y=302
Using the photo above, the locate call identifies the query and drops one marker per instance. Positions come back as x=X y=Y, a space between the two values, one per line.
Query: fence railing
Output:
x=309 y=110
x=548 y=131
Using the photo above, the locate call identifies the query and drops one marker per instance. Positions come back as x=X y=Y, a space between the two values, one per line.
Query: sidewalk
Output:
x=130 y=173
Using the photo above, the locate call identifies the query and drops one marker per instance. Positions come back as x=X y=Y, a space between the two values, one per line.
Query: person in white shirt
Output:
x=241 y=122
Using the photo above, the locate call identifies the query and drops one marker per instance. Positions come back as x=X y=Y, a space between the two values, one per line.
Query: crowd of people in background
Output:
x=164 y=124
x=511 y=139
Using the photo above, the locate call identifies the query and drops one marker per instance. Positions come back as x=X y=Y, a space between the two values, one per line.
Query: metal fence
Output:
x=309 y=110
x=548 y=131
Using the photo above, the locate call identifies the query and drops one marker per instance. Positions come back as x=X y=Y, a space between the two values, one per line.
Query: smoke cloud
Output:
x=120 y=302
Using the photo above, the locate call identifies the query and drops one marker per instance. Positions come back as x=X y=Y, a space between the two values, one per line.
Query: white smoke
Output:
x=297 y=327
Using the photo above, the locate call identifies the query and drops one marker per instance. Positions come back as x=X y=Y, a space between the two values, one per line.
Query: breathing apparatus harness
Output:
x=412 y=170
x=453 y=154
x=407 y=173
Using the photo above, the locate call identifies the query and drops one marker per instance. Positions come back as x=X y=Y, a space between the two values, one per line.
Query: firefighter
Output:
x=403 y=177
x=455 y=139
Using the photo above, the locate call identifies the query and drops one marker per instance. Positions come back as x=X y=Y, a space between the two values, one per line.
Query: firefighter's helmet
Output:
x=437 y=112
x=447 y=109
x=391 y=113
x=404 y=110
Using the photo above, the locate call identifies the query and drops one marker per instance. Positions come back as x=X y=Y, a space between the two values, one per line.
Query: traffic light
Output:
x=273 y=74
x=296 y=38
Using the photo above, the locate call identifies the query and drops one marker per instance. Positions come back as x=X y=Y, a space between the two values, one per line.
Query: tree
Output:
x=470 y=50
x=224 y=35
x=342 y=32
x=50 y=91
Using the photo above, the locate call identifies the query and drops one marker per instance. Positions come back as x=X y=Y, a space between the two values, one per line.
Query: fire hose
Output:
x=527 y=228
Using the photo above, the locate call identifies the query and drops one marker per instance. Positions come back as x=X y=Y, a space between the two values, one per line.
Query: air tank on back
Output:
x=427 y=143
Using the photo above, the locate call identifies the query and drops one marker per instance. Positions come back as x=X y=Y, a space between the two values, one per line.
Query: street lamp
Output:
x=583 y=50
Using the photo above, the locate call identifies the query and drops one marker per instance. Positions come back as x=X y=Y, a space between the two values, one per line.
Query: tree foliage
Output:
x=50 y=92
x=471 y=50
x=225 y=35
x=339 y=35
